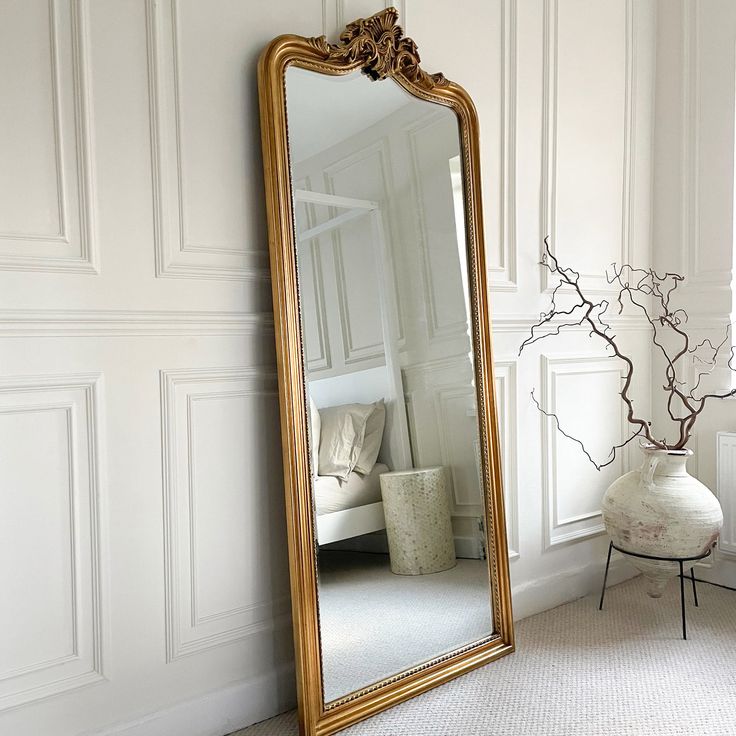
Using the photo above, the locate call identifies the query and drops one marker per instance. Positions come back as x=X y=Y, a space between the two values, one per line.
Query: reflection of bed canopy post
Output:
x=398 y=449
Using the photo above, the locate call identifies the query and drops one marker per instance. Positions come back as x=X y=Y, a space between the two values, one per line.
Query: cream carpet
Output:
x=375 y=623
x=580 y=672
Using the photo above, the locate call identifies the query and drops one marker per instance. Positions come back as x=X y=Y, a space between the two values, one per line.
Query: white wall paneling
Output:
x=502 y=273
x=707 y=156
x=443 y=425
x=489 y=71
x=209 y=242
x=49 y=528
x=589 y=82
x=690 y=143
x=46 y=179
x=131 y=323
x=507 y=412
x=344 y=326
x=216 y=426
x=314 y=309
x=455 y=408
x=707 y=142
x=519 y=325
x=443 y=293
x=130 y=150
x=726 y=490
x=337 y=13
x=571 y=485
x=693 y=226
x=364 y=174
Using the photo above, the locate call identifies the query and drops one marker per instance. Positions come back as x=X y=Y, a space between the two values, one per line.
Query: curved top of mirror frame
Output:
x=377 y=47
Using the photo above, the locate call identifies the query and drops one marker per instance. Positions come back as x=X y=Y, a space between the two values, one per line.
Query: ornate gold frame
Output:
x=377 y=46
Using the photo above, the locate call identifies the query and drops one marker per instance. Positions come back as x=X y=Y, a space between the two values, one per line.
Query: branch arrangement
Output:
x=651 y=294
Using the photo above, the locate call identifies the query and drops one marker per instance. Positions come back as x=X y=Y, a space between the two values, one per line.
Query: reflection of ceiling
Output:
x=325 y=110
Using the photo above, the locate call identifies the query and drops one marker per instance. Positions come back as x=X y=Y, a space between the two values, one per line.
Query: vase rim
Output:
x=652 y=449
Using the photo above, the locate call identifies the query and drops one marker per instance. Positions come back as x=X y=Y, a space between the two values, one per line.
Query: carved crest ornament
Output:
x=379 y=45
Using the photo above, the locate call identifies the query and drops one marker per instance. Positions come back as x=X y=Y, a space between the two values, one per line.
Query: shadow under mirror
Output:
x=383 y=283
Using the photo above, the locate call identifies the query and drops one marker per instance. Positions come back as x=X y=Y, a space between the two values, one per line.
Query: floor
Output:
x=375 y=623
x=580 y=672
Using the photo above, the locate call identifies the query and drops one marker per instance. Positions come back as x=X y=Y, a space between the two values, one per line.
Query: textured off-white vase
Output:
x=661 y=510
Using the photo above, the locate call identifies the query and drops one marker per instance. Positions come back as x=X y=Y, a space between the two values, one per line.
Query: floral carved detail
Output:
x=379 y=45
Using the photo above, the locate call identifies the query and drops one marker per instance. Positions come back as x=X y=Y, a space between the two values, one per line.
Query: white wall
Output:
x=693 y=179
x=140 y=481
x=143 y=547
x=576 y=150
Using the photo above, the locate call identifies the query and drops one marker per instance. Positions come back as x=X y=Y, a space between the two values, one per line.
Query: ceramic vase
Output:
x=661 y=510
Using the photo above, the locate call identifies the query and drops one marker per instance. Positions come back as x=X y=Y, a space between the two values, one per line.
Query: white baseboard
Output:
x=469 y=548
x=242 y=704
x=217 y=713
x=567 y=585
x=465 y=547
x=721 y=571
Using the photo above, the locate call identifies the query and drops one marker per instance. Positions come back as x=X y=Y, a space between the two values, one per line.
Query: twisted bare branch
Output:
x=614 y=449
x=651 y=294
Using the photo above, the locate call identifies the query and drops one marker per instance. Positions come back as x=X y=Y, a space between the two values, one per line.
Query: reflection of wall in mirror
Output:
x=409 y=163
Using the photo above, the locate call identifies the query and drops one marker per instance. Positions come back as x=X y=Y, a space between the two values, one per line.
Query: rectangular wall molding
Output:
x=691 y=253
x=317 y=350
x=177 y=256
x=50 y=430
x=376 y=154
x=502 y=276
x=571 y=510
x=726 y=480
x=550 y=212
x=220 y=507
x=508 y=413
x=452 y=404
x=440 y=401
x=70 y=245
x=437 y=330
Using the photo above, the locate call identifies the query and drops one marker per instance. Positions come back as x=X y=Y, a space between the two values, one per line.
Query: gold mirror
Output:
x=397 y=543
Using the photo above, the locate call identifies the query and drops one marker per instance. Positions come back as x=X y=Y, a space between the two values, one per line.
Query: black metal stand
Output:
x=679 y=560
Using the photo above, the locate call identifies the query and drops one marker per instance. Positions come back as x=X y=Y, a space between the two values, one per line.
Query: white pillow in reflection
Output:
x=372 y=440
x=342 y=435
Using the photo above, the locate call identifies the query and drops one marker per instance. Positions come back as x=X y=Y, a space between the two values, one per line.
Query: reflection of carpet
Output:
x=375 y=624
x=581 y=672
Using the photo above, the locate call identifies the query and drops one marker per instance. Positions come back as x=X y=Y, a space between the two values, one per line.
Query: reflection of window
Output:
x=458 y=204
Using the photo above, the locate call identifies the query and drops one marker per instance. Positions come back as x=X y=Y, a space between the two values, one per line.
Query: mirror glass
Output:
x=394 y=441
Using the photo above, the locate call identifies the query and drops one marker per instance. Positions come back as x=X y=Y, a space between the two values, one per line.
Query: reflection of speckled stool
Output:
x=418 y=525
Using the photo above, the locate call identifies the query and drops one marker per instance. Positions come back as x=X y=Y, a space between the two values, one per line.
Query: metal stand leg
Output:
x=682 y=601
x=695 y=590
x=605 y=575
x=679 y=560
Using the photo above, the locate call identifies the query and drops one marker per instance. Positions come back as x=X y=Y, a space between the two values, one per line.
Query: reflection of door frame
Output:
x=352 y=210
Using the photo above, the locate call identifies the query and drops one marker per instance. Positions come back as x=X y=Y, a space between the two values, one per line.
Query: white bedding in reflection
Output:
x=333 y=495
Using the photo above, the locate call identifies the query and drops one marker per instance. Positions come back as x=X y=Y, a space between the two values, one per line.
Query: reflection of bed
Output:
x=362 y=386
x=332 y=495
x=351 y=508
x=354 y=507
